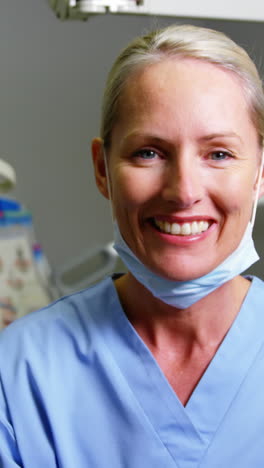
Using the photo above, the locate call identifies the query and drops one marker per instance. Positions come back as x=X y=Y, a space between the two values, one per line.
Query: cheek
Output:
x=236 y=195
x=132 y=187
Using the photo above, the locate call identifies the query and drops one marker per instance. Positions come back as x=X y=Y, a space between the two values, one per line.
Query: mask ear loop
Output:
x=254 y=210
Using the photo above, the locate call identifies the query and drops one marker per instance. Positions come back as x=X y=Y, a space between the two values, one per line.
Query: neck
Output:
x=183 y=342
x=205 y=323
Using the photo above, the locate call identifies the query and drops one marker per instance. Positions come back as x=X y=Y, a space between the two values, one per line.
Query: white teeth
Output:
x=185 y=229
x=195 y=229
x=205 y=225
x=167 y=227
x=200 y=225
x=175 y=228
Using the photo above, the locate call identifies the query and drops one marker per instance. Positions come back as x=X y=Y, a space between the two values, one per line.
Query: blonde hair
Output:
x=183 y=41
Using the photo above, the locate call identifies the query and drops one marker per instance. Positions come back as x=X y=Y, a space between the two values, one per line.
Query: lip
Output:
x=179 y=239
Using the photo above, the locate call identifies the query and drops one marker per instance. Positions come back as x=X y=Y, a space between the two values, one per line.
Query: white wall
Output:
x=52 y=75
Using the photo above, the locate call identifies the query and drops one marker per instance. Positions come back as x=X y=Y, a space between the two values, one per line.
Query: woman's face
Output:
x=183 y=163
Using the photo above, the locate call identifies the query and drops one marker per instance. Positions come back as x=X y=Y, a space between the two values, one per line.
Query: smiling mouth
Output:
x=183 y=229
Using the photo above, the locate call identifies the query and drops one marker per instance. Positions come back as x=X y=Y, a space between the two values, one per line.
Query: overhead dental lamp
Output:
x=236 y=10
x=81 y=9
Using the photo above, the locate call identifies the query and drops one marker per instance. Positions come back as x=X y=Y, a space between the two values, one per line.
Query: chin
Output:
x=184 y=273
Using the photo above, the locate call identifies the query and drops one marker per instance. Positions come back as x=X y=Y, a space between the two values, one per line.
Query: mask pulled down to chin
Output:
x=182 y=294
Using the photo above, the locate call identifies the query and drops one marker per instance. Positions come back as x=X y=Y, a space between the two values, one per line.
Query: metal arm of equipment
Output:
x=236 y=10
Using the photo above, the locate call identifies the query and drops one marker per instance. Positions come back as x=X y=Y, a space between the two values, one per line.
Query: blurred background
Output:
x=52 y=76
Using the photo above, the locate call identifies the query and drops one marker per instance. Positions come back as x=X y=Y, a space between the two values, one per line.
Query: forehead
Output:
x=176 y=72
x=174 y=92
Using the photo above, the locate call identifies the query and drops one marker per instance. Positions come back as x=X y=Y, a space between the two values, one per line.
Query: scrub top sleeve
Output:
x=9 y=455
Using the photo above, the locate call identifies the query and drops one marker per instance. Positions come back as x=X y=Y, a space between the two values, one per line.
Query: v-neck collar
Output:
x=186 y=431
x=224 y=376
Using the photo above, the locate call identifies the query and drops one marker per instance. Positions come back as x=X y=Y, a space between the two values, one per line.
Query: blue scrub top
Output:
x=79 y=388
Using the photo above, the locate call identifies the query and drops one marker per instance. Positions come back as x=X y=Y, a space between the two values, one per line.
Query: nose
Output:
x=183 y=184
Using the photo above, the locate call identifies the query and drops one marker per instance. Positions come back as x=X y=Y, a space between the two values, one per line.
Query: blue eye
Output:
x=220 y=155
x=146 y=154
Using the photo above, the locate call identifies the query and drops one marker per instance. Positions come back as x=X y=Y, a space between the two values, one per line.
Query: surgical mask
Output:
x=182 y=294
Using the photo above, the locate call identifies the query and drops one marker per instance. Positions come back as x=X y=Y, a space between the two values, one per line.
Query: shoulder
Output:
x=256 y=290
x=50 y=362
x=67 y=323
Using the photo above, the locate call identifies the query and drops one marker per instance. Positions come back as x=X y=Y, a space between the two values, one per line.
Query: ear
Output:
x=100 y=170
x=259 y=181
x=261 y=189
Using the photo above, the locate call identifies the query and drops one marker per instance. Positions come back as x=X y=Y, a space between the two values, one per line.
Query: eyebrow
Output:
x=156 y=139
x=144 y=136
x=214 y=136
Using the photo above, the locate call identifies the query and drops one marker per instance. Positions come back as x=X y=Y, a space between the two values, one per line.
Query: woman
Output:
x=164 y=366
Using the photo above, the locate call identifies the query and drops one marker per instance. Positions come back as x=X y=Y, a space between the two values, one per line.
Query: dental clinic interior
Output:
x=55 y=229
